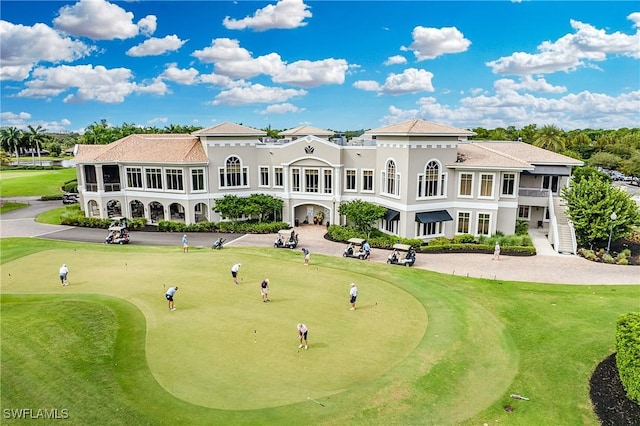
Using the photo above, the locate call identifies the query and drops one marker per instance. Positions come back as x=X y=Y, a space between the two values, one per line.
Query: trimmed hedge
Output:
x=245 y=227
x=628 y=353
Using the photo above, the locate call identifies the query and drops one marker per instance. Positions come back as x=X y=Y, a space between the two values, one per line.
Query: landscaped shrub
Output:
x=522 y=227
x=377 y=239
x=463 y=239
x=628 y=353
x=440 y=241
x=588 y=254
x=56 y=197
x=71 y=186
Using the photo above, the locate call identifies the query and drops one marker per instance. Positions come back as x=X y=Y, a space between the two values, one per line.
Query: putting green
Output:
x=223 y=348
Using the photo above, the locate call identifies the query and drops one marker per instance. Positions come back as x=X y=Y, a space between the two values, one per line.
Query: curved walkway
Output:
x=546 y=267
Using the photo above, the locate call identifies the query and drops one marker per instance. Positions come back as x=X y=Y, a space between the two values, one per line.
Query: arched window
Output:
x=233 y=173
x=391 y=178
x=431 y=183
x=114 y=208
x=137 y=209
x=156 y=211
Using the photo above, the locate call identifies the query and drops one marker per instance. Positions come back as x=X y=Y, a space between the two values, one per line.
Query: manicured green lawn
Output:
x=422 y=348
x=10 y=206
x=14 y=183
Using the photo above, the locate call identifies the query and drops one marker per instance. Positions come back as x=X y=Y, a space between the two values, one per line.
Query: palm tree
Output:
x=36 y=136
x=550 y=137
x=11 y=137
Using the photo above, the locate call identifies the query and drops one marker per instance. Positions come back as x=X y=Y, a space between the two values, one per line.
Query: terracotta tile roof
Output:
x=529 y=153
x=229 y=129
x=507 y=155
x=154 y=148
x=419 y=127
x=305 y=131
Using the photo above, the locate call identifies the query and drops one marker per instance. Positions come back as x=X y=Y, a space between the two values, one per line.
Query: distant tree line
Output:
x=610 y=149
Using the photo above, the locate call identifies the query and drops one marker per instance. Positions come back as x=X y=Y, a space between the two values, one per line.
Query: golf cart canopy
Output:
x=402 y=247
x=117 y=228
x=284 y=231
x=356 y=241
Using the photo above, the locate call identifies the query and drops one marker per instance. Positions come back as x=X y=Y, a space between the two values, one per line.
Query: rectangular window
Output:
x=390 y=226
x=278 y=177
x=295 y=180
x=264 y=176
x=367 y=181
x=523 y=212
x=197 y=179
x=508 y=184
x=350 y=180
x=154 y=178
x=174 y=180
x=550 y=182
x=484 y=222
x=464 y=218
x=466 y=185
x=328 y=181
x=486 y=186
x=134 y=177
x=311 y=180
x=429 y=229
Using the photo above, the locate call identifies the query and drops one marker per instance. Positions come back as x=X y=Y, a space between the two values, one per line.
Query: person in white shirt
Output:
x=353 y=295
x=303 y=331
x=234 y=272
x=169 y=296
x=64 y=271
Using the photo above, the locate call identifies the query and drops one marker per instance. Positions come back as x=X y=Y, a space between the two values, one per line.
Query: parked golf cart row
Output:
x=403 y=254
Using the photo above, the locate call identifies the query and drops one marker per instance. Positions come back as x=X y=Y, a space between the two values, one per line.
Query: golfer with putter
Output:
x=234 y=272
x=264 y=289
x=353 y=295
x=169 y=296
x=302 y=335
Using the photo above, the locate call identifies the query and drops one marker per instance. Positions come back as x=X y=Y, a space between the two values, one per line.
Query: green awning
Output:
x=435 y=216
x=391 y=215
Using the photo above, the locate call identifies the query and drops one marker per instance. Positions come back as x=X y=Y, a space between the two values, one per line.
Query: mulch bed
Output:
x=609 y=399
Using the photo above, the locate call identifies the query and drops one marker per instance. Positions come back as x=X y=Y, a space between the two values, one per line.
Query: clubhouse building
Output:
x=431 y=178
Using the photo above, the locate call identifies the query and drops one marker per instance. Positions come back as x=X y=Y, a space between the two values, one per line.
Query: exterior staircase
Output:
x=566 y=236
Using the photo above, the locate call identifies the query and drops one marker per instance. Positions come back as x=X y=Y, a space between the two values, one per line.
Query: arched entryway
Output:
x=92 y=209
x=114 y=208
x=176 y=212
x=200 y=212
x=312 y=214
x=137 y=209
x=156 y=211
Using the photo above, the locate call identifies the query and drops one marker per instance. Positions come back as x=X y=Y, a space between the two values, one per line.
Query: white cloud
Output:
x=411 y=80
x=572 y=111
x=571 y=51
x=367 y=85
x=221 y=80
x=22 y=120
x=182 y=76
x=157 y=46
x=527 y=83
x=235 y=62
x=158 y=120
x=254 y=94
x=148 y=25
x=285 y=14
x=284 y=108
x=395 y=60
x=429 y=43
x=98 y=84
x=312 y=73
x=155 y=87
x=101 y=20
x=22 y=47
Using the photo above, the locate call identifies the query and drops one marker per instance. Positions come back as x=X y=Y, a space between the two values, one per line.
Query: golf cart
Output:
x=403 y=255
x=289 y=242
x=217 y=244
x=118 y=231
x=354 y=249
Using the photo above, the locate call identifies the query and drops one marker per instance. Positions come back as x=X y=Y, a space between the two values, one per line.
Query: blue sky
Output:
x=329 y=64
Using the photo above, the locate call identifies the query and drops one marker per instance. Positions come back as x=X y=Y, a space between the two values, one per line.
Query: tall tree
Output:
x=230 y=206
x=590 y=204
x=550 y=137
x=12 y=137
x=36 y=136
x=362 y=214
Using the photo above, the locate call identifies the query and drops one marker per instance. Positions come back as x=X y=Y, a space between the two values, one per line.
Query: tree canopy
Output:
x=362 y=214
x=591 y=201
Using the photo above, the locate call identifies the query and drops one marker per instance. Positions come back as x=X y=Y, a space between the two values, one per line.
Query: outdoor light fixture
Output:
x=613 y=217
